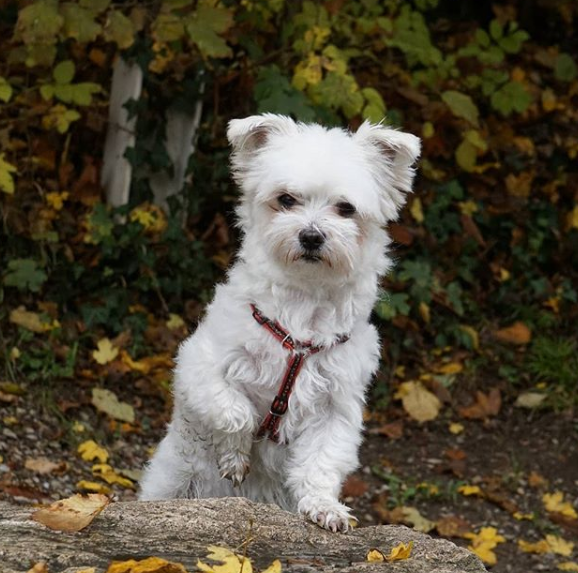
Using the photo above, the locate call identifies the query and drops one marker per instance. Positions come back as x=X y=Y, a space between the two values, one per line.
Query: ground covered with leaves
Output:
x=472 y=421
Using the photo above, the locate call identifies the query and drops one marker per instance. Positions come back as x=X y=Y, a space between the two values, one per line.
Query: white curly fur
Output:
x=229 y=370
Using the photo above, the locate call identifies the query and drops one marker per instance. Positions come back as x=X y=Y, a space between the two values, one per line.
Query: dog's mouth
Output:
x=311 y=258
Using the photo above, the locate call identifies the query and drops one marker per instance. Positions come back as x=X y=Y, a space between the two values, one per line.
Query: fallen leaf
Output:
x=275 y=567
x=31 y=321
x=354 y=487
x=73 y=513
x=473 y=335
x=400 y=552
x=374 y=556
x=39 y=567
x=416 y=210
x=537 y=547
x=568 y=566
x=486 y=405
x=105 y=352
x=484 y=542
x=518 y=334
x=175 y=322
x=149 y=565
x=551 y=544
x=90 y=451
x=107 y=402
x=42 y=465
x=456 y=428
x=523 y=516
x=468 y=490
x=418 y=522
x=554 y=503
x=107 y=473
x=93 y=487
x=450 y=368
x=452 y=526
x=529 y=400
x=536 y=480
x=421 y=404
x=393 y=430
x=230 y=562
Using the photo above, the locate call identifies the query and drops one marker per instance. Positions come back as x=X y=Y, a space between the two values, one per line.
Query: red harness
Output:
x=298 y=351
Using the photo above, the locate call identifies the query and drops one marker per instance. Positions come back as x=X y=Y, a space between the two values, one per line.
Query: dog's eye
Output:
x=345 y=209
x=286 y=201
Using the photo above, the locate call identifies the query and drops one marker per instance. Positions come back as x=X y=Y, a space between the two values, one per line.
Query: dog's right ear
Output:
x=250 y=134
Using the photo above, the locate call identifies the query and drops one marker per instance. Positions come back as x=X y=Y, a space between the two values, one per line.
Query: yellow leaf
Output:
x=275 y=567
x=456 y=428
x=428 y=130
x=421 y=404
x=568 y=566
x=93 y=487
x=6 y=179
x=105 y=352
x=90 y=451
x=175 y=322
x=31 y=320
x=418 y=522
x=521 y=516
x=73 y=513
x=151 y=217
x=559 y=545
x=230 y=562
x=468 y=207
x=472 y=333
x=56 y=200
x=416 y=210
x=518 y=334
x=572 y=219
x=549 y=101
x=539 y=547
x=107 y=402
x=400 y=552
x=554 y=503
x=470 y=490
x=424 y=311
x=149 y=565
x=450 y=368
x=484 y=542
x=109 y=475
x=374 y=555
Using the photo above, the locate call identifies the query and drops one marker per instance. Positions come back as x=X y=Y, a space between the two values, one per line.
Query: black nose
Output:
x=311 y=239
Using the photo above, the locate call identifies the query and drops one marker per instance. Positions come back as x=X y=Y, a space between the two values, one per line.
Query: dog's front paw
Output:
x=234 y=465
x=328 y=514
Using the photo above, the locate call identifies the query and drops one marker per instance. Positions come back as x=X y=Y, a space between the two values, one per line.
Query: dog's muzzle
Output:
x=311 y=241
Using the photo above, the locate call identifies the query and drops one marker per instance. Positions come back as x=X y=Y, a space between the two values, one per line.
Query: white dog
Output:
x=274 y=378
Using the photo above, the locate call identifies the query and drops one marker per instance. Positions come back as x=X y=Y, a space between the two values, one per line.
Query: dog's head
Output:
x=313 y=198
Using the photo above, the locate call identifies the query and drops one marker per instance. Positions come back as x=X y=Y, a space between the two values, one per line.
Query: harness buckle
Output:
x=279 y=406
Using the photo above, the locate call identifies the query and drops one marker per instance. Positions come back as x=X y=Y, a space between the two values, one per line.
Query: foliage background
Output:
x=487 y=259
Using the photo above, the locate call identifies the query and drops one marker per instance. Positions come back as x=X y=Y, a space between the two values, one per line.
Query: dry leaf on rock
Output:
x=421 y=404
x=374 y=556
x=275 y=567
x=518 y=334
x=107 y=402
x=73 y=513
x=39 y=567
x=568 y=566
x=149 y=565
x=90 y=451
x=229 y=562
x=400 y=552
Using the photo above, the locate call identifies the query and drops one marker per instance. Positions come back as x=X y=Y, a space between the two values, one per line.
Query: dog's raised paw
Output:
x=234 y=466
x=334 y=517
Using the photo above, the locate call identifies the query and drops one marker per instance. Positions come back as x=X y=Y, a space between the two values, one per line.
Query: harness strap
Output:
x=298 y=352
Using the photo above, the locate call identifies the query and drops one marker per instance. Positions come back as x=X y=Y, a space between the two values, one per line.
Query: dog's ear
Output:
x=392 y=155
x=249 y=134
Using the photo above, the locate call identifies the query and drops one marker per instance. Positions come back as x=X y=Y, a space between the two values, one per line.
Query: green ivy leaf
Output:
x=390 y=305
x=5 y=90
x=462 y=106
x=274 y=93
x=79 y=23
x=168 y=28
x=25 y=274
x=203 y=27
x=565 y=68
x=63 y=73
x=511 y=97
x=374 y=110
x=6 y=178
x=119 y=29
x=39 y=23
x=95 y=6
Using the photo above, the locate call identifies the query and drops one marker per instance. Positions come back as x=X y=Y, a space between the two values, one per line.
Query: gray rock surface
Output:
x=181 y=530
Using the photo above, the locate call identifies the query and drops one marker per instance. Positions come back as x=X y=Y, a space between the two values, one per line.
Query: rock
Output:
x=181 y=530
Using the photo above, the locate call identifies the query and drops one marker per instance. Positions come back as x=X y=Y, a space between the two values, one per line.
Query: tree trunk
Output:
x=181 y=531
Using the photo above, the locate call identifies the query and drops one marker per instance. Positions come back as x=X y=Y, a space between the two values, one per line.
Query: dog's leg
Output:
x=233 y=455
x=321 y=457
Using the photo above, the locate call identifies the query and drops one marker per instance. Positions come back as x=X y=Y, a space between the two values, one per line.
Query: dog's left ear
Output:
x=392 y=154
